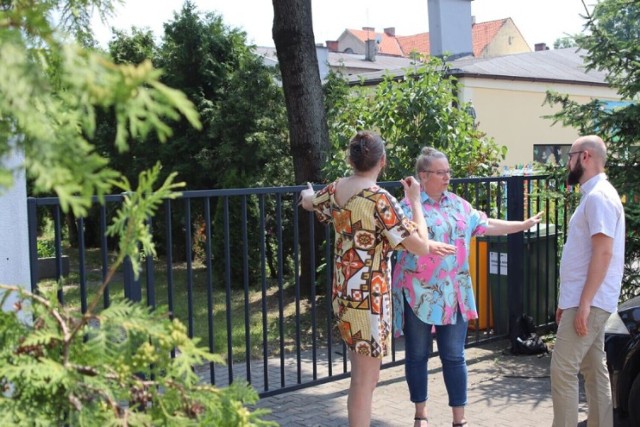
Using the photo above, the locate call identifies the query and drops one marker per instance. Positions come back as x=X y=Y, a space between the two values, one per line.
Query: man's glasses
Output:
x=441 y=172
x=571 y=153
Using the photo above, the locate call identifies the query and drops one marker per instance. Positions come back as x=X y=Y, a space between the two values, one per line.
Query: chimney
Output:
x=540 y=46
x=332 y=45
x=370 y=53
x=450 y=28
x=372 y=29
x=391 y=31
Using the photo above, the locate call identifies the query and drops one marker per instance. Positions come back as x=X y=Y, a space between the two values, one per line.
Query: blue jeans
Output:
x=451 y=340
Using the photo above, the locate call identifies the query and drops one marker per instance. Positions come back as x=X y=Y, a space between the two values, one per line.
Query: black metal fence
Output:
x=229 y=266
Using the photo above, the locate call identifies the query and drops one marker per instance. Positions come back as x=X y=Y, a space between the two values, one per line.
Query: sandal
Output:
x=421 y=419
x=463 y=423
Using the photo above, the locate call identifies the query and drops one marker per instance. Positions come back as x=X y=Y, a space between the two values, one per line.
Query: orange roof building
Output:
x=490 y=39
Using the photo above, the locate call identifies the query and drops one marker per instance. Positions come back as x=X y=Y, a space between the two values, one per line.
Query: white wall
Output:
x=14 y=237
x=512 y=112
x=323 y=62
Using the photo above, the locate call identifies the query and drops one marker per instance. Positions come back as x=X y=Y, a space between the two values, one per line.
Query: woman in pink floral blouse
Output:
x=432 y=290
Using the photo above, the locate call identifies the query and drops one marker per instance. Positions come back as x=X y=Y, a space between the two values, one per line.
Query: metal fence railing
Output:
x=249 y=273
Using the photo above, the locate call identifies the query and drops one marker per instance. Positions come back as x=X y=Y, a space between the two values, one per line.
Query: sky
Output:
x=539 y=21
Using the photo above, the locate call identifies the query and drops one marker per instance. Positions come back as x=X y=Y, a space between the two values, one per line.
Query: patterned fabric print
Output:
x=367 y=228
x=435 y=286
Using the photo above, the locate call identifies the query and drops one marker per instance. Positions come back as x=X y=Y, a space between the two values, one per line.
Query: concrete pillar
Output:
x=14 y=240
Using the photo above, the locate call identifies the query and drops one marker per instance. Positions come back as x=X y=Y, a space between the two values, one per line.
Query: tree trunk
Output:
x=309 y=136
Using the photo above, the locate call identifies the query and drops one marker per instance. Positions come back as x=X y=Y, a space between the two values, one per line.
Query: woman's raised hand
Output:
x=305 y=197
x=411 y=188
x=533 y=220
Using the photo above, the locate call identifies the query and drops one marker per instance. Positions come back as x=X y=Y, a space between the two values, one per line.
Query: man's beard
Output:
x=575 y=174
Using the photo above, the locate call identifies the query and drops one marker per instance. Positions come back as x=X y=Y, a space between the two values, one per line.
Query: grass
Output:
x=295 y=322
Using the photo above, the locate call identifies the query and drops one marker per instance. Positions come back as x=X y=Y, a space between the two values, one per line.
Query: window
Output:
x=551 y=153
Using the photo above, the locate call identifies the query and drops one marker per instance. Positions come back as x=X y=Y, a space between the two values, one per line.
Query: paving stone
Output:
x=503 y=390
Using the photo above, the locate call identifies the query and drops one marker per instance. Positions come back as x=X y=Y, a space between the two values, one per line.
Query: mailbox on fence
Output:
x=539 y=287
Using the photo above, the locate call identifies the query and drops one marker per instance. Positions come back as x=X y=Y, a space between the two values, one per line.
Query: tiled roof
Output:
x=416 y=43
x=481 y=35
x=388 y=45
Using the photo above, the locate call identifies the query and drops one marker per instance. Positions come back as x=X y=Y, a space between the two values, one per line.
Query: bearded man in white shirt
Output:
x=590 y=278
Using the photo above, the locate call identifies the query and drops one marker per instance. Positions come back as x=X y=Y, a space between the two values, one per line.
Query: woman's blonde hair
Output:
x=427 y=155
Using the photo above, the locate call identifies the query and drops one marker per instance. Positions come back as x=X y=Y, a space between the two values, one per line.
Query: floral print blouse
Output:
x=367 y=229
x=436 y=287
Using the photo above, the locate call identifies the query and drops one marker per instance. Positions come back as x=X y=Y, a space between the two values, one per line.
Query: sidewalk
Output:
x=504 y=390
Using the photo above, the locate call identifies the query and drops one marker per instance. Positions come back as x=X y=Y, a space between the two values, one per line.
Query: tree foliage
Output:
x=420 y=109
x=238 y=99
x=565 y=42
x=243 y=141
x=50 y=91
x=112 y=367
x=611 y=45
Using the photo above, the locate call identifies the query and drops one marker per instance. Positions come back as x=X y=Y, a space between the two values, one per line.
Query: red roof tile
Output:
x=416 y=43
x=481 y=35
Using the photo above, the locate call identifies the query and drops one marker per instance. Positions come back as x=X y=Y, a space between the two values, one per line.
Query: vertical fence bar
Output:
x=504 y=202
x=32 y=209
x=263 y=275
x=536 y=241
x=314 y=321
x=486 y=311
x=245 y=287
x=132 y=289
x=551 y=238
x=82 y=265
x=557 y=236
x=150 y=272
x=227 y=280
x=328 y=297
x=104 y=252
x=209 y=266
x=58 y=244
x=169 y=261
x=515 y=244
x=280 y=287
x=188 y=258
x=296 y=273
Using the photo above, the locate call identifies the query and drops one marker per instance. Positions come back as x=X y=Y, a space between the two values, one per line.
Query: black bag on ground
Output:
x=526 y=340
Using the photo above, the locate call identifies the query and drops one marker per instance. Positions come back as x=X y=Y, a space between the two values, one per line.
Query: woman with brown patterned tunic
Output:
x=368 y=224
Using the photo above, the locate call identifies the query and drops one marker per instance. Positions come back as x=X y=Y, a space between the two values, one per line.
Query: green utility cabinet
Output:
x=539 y=290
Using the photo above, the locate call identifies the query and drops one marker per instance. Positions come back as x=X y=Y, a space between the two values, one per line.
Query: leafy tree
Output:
x=113 y=367
x=611 y=45
x=132 y=49
x=237 y=97
x=565 y=42
x=243 y=140
x=420 y=109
